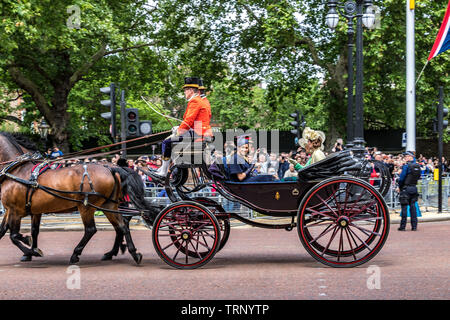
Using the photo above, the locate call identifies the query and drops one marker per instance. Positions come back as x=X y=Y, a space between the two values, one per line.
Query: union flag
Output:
x=442 y=42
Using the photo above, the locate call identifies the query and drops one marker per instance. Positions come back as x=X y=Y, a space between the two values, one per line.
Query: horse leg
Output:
x=15 y=236
x=35 y=224
x=126 y=220
x=4 y=226
x=122 y=230
x=131 y=248
x=118 y=240
x=87 y=216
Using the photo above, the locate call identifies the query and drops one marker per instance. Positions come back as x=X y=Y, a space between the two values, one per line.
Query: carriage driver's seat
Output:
x=192 y=153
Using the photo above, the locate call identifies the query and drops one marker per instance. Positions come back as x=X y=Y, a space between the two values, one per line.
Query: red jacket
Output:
x=197 y=116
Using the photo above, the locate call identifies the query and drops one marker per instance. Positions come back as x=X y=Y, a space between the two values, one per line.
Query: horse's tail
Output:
x=133 y=186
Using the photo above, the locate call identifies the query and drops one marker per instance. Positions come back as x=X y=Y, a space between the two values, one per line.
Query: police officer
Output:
x=195 y=124
x=408 y=190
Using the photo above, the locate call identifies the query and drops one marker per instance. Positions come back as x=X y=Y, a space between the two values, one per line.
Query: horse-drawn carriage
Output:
x=341 y=220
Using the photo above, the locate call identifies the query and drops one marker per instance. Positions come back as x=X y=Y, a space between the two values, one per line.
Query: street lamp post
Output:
x=44 y=128
x=351 y=10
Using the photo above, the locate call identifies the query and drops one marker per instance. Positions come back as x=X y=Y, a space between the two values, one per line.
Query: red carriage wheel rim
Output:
x=381 y=212
x=211 y=251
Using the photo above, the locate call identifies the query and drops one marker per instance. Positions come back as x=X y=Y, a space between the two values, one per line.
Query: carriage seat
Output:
x=187 y=152
x=334 y=164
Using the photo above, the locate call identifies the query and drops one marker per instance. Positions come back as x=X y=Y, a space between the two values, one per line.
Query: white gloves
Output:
x=174 y=133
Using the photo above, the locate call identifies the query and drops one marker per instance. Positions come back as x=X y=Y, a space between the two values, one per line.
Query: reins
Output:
x=78 y=154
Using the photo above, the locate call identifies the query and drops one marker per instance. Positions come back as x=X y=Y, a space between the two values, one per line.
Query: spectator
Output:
x=273 y=162
x=291 y=173
x=54 y=153
x=338 y=146
x=283 y=165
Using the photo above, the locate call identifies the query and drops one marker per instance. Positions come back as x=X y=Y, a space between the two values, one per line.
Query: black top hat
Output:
x=191 y=82
x=200 y=85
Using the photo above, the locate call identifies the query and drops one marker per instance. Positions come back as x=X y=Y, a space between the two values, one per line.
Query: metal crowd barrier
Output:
x=428 y=193
x=158 y=196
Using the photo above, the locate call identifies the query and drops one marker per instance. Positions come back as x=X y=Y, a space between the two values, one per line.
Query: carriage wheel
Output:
x=343 y=222
x=186 y=235
x=222 y=217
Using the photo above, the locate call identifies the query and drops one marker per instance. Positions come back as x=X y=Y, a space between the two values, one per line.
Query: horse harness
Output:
x=32 y=184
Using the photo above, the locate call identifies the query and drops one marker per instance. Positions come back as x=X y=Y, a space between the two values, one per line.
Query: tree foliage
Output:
x=261 y=60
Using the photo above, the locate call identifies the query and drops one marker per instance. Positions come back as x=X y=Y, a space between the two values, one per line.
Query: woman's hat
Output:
x=309 y=134
x=191 y=82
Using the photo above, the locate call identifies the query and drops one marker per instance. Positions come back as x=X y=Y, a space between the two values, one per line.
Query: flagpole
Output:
x=410 y=78
x=422 y=71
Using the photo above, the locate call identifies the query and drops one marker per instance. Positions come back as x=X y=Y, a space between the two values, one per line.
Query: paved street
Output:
x=255 y=264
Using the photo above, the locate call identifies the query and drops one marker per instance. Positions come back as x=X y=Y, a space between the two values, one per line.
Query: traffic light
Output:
x=111 y=103
x=132 y=122
x=442 y=122
x=299 y=125
x=145 y=127
x=295 y=123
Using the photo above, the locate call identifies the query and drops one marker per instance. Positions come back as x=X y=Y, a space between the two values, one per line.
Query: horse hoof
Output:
x=37 y=252
x=106 y=257
x=138 y=258
x=123 y=248
x=28 y=241
x=25 y=258
x=74 y=260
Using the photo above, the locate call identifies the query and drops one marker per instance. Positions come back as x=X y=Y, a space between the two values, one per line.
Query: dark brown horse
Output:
x=83 y=188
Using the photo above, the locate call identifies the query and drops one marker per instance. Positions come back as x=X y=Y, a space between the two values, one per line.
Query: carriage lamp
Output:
x=43 y=129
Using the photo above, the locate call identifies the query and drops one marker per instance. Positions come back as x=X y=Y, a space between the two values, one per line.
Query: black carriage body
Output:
x=280 y=199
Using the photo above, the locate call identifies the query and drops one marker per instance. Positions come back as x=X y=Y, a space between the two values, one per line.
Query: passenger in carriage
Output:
x=241 y=168
x=195 y=124
x=312 y=141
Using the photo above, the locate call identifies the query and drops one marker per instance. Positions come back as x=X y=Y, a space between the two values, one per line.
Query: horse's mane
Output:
x=20 y=139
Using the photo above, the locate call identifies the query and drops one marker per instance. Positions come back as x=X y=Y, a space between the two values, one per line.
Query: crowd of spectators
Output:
x=395 y=162
x=276 y=164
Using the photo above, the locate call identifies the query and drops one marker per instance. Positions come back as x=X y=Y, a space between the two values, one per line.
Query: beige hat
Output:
x=309 y=134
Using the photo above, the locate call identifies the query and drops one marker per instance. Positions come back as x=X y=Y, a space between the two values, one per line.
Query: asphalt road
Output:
x=256 y=264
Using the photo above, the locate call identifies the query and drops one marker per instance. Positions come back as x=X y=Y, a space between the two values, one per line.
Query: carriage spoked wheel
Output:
x=222 y=218
x=186 y=235
x=343 y=222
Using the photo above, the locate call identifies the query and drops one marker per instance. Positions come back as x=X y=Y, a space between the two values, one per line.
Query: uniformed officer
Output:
x=195 y=124
x=408 y=190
